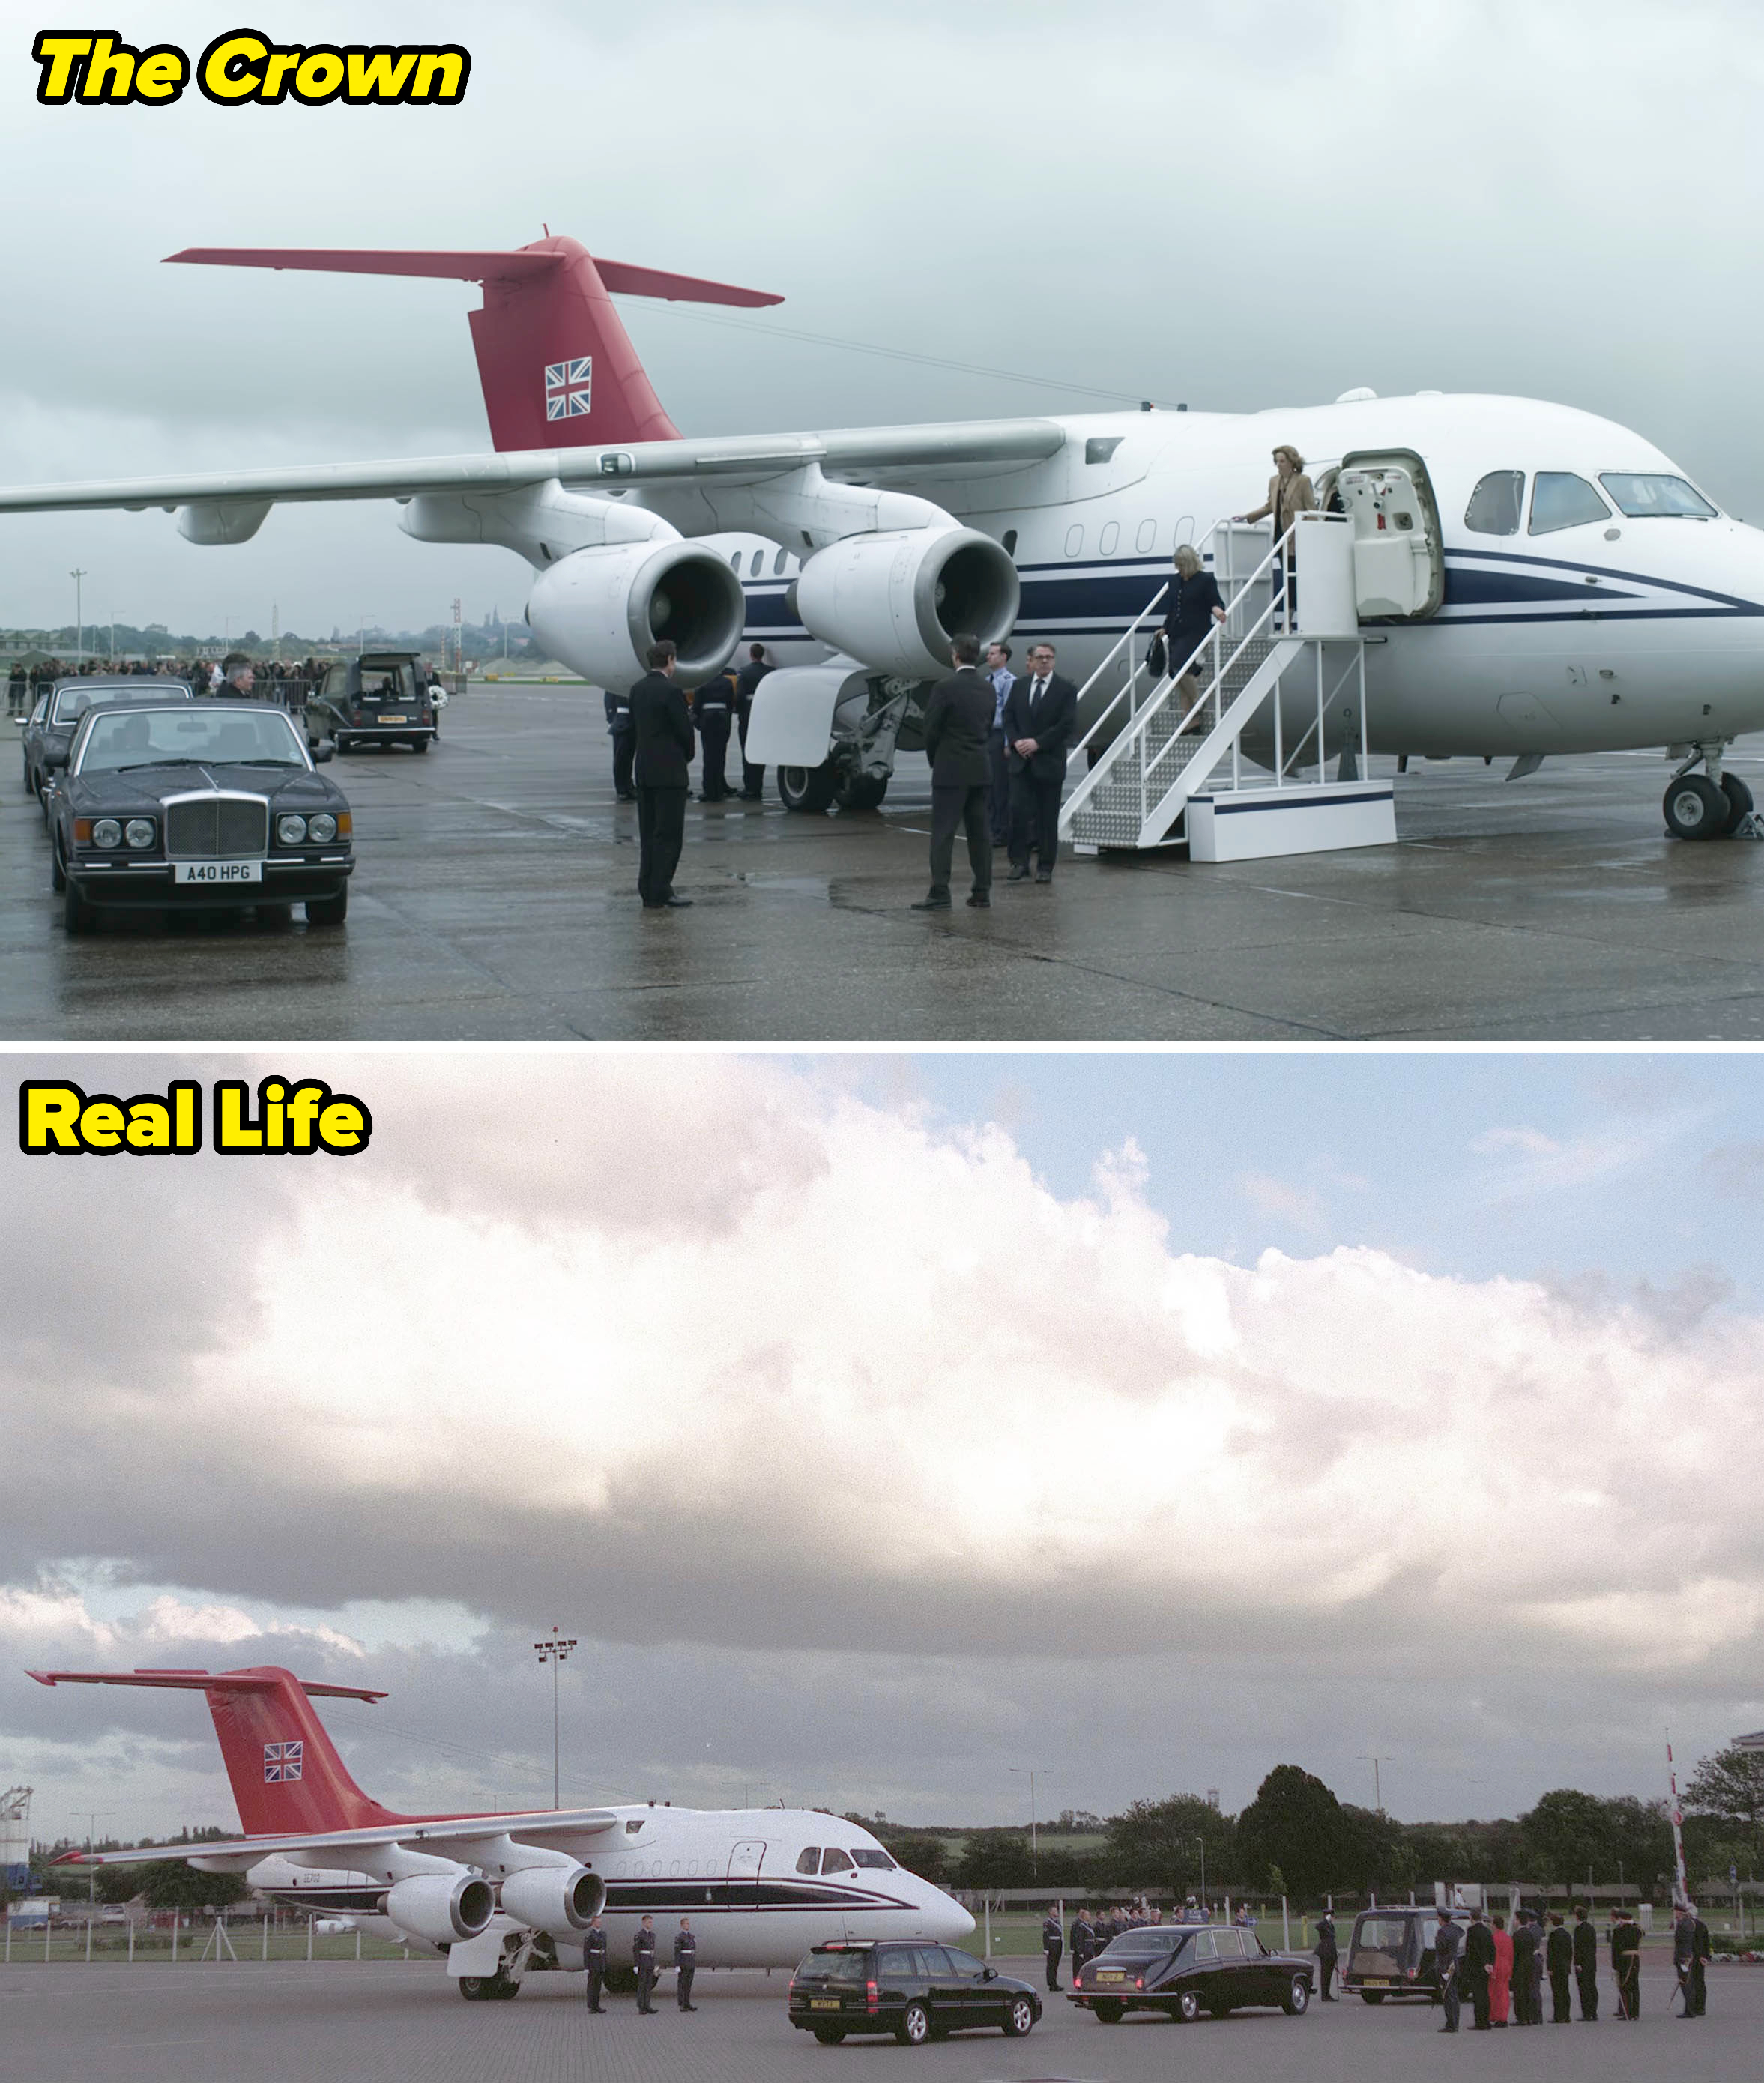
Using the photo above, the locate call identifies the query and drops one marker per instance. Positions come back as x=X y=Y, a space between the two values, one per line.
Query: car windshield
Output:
x=872 y=1855
x=216 y=737
x=834 y=1967
x=1384 y=1934
x=71 y=703
x=1644 y=496
x=1151 y=1944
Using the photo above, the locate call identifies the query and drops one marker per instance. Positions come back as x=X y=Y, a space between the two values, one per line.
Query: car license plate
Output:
x=823 y=2003
x=1112 y=1975
x=1375 y=1981
x=395 y=719
x=217 y=870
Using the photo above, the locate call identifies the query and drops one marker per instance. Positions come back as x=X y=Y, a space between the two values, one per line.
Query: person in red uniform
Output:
x=1500 y=1982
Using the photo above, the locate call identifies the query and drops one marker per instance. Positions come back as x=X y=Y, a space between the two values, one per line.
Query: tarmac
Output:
x=495 y=900
x=290 y=2023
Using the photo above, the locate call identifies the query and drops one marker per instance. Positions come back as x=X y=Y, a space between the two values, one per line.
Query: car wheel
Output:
x=419 y=745
x=57 y=873
x=1107 y=2013
x=914 y=2029
x=77 y=915
x=1372 y=1995
x=1020 y=2018
x=1695 y=808
x=1298 y=1997
x=808 y=789
x=328 y=911
x=339 y=743
x=829 y=2035
x=30 y=786
x=1188 y=2006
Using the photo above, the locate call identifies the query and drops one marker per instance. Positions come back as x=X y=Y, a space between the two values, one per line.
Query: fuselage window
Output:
x=735 y=563
x=1010 y=542
x=809 y=1862
x=1561 y=500
x=835 y=1861
x=1146 y=541
x=1110 y=535
x=1644 y=496
x=777 y=564
x=1074 y=541
x=1495 y=505
x=758 y=558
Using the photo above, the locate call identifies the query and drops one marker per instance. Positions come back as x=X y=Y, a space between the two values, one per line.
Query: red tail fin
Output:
x=287 y=1778
x=556 y=365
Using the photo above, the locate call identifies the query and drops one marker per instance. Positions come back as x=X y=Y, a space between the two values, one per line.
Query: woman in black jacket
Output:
x=1192 y=607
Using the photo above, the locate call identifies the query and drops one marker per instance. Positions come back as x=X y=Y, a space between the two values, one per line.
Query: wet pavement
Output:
x=495 y=900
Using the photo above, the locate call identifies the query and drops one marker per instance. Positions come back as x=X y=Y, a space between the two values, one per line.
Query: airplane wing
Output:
x=956 y=447
x=448 y=1837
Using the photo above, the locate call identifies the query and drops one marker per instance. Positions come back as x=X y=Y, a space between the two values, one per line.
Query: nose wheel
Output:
x=1696 y=808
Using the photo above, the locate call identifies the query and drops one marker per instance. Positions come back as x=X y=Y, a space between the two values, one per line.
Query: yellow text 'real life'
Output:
x=288 y=1118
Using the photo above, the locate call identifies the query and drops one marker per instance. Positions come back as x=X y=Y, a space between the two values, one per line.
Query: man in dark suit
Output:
x=712 y=706
x=1586 y=1964
x=998 y=671
x=1479 y=1965
x=1558 y=1958
x=956 y=721
x=623 y=745
x=1041 y=714
x=1328 y=1954
x=663 y=728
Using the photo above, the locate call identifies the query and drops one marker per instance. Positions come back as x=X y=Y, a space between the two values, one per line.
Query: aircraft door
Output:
x=744 y=1873
x=1399 y=558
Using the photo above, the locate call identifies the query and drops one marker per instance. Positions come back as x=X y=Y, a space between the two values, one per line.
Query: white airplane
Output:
x=1562 y=588
x=503 y=1893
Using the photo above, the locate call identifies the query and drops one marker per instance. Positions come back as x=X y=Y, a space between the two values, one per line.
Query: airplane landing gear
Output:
x=1710 y=805
x=499 y=1988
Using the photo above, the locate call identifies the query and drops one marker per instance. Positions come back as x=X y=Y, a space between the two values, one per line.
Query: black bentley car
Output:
x=55 y=715
x=1184 y=1969
x=917 y=1992
x=1391 y=1954
x=379 y=699
x=211 y=803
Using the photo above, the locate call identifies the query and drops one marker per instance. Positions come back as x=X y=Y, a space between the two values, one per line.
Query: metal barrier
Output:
x=182 y=1938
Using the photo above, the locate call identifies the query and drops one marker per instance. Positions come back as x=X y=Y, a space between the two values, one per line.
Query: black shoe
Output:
x=672 y=903
x=1046 y=875
x=1017 y=875
x=932 y=904
x=627 y=795
x=1448 y=2028
x=980 y=900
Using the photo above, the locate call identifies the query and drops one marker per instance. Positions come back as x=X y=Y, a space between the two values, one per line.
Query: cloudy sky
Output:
x=879 y=1424
x=1239 y=207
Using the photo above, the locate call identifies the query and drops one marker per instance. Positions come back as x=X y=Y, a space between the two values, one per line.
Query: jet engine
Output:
x=894 y=599
x=554 y=1899
x=600 y=609
x=441 y=1907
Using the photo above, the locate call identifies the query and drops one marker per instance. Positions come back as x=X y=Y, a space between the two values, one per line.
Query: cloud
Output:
x=1279 y=1197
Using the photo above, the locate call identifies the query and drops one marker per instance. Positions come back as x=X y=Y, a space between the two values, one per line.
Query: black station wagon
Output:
x=211 y=803
x=916 y=1991
x=1187 y=1969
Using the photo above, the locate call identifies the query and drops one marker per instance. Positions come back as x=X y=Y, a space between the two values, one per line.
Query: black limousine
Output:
x=197 y=806
x=1187 y=1969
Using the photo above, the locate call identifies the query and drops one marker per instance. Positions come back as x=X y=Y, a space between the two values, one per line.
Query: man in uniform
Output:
x=663 y=729
x=1626 y=1965
x=685 y=1964
x=1586 y=1964
x=1558 y=1958
x=1041 y=714
x=1328 y=1954
x=594 y=1958
x=1479 y=1965
x=1083 y=1941
x=711 y=708
x=624 y=744
x=1446 y=1944
x=1053 y=1944
x=643 y=1960
x=957 y=719
x=1690 y=1948
x=1525 y=1936
x=752 y=778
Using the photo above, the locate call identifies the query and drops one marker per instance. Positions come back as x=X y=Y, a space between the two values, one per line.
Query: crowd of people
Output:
x=275 y=679
x=1501 y=1972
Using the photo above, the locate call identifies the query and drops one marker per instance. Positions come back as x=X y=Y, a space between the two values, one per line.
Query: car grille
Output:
x=216 y=827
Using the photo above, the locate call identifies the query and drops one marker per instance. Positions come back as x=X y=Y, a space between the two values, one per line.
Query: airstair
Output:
x=1213 y=753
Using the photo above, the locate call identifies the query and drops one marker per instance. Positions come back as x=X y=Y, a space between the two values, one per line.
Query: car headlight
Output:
x=139 y=832
x=323 y=828
x=291 y=831
x=107 y=832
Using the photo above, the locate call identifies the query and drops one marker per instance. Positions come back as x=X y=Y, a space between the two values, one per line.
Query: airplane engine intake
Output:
x=600 y=609
x=554 y=1899
x=441 y=1907
x=895 y=599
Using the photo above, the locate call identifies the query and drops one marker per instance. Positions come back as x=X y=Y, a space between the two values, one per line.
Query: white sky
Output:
x=876 y=1422
x=1237 y=207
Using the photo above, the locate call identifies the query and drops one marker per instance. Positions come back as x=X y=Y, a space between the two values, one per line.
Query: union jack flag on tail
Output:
x=568 y=387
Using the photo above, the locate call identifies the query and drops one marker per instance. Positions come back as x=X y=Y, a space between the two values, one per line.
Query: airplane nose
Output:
x=948 y=1920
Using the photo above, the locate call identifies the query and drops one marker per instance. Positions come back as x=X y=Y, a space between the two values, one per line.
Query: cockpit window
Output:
x=1643 y=495
x=809 y=1862
x=874 y=1855
x=1560 y=500
x=1495 y=505
x=835 y=1861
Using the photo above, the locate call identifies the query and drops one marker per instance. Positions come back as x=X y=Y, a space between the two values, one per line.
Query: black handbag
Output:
x=1157 y=658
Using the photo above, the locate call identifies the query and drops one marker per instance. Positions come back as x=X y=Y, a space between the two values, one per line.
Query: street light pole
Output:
x=91 y=1816
x=552 y=1650
x=1031 y=1771
x=1375 y=1760
x=79 y=616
